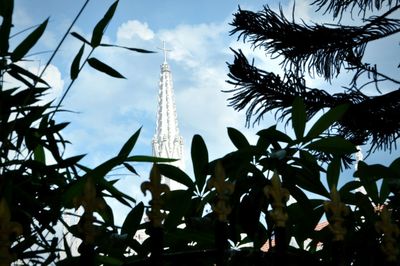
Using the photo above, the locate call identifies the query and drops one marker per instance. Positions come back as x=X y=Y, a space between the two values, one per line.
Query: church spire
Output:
x=167 y=142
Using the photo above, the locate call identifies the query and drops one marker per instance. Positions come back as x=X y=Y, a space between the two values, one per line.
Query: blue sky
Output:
x=108 y=111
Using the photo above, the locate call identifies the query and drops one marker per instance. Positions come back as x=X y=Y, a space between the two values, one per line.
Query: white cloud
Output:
x=193 y=45
x=132 y=28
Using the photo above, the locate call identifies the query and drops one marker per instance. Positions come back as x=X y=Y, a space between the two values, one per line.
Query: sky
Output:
x=107 y=111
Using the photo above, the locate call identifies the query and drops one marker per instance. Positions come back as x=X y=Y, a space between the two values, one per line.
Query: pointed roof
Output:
x=167 y=142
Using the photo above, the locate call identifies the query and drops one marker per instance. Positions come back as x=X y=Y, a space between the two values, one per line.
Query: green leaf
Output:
x=6 y=11
x=333 y=172
x=38 y=154
x=272 y=135
x=199 y=160
x=26 y=73
x=177 y=175
x=107 y=215
x=80 y=37
x=139 y=50
x=100 y=66
x=177 y=203
x=327 y=120
x=128 y=146
x=23 y=48
x=76 y=63
x=299 y=117
x=237 y=138
x=149 y=159
x=132 y=220
x=384 y=191
x=130 y=168
x=368 y=176
x=99 y=29
x=335 y=145
x=115 y=193
x=107 y=260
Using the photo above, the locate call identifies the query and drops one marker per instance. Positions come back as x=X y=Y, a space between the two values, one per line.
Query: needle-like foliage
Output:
x=323 y=50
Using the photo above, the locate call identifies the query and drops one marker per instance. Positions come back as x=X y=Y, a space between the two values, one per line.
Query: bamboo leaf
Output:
x=98 y=30
x=80 y=37
x=128 y=146
x=23 y=48
x=139 y=50
x=6 y=11
x=76 y=63
x=130 y=168
x=100 y=66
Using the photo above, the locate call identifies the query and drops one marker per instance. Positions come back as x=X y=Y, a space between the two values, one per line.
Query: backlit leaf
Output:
x=139 y=50
x=199 y=159
x=23 y=48
x=100 y=66
x=299 y=117
x=128 y=146
x=76 y=63
x=98 y=30
x=80 y=37
x=237 y=138
x=335 y=145
x=326 y=120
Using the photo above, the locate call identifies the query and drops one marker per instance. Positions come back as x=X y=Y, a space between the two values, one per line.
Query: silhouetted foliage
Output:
x=324 y=50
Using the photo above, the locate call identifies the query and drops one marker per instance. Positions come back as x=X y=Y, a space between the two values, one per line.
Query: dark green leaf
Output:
x=326 y=120
x=75 y=66
x=334 y=145
x=107 y=260
x=139 y=50
x=395 y=167
x=74 y=190
x=272 y=135
x=23 y=48
x=177 y=175
x=80 y=37
x=149 y=159
x=368 y=176
x=299 y=117
x=38 y=154
x=130 y=168
x=115 y=193
x=177 y=203
x=100 y=66
x=237 y=138
x=24 y=72
x=200 y=160
x=333 y=172
x=132 y=220
x=107 y=214
x=350 y=186
x=384 y=191
x=99 y=29
x=128 y=146
x=6 y=11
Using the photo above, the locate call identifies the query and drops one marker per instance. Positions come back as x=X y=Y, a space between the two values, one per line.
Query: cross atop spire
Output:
x=165 y=50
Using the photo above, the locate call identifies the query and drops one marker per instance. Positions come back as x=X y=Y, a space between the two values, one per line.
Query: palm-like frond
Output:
x=338 y=7
x=315 y=48
x=374 y=118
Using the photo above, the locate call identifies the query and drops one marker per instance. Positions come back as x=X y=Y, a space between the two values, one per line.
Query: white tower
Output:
x=167 y=143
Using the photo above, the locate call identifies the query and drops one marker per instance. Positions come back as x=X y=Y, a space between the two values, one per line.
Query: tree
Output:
x=324 y=50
